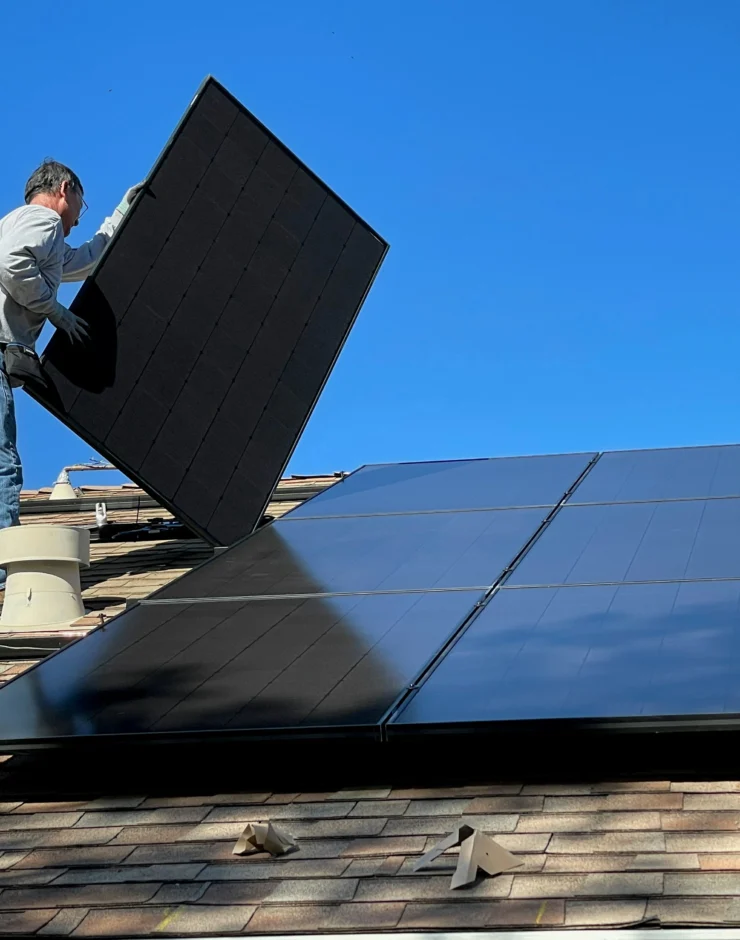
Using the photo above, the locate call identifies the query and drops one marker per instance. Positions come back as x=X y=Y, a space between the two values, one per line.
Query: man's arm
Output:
x=27 y=247
x=79 y=262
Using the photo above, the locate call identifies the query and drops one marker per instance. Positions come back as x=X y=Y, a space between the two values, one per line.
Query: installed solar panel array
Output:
x=417 y=597
x=318 y=621
x=215 y=317
x=627 y=606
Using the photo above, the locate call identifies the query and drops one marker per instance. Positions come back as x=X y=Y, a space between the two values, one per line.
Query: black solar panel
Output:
x=374 y=553
x=448 y=485
x=677 y=473
x=626 y=606
x=637 y=542
x=286 y=664
x=216 y=316
x=632 y=651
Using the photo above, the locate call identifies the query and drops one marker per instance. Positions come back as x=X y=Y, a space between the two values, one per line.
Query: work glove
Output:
x=73 y=326
x=131 y=194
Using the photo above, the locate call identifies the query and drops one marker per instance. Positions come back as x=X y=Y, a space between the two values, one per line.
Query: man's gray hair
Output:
x=48 y=178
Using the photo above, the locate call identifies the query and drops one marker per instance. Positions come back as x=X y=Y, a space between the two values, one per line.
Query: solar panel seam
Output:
x=175 y=585
x=428 y=670
x=162 y=601
x=288 y=517
x=376 y=553
x=451 y=460
x=640 y=541
x=695 y=539
x=368 y=652
x=606 y=583
x=667 y=499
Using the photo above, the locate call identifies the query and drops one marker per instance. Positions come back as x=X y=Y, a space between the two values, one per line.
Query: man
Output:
x=34 y=260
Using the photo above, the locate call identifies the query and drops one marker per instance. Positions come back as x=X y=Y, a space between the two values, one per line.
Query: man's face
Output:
x=71 y=205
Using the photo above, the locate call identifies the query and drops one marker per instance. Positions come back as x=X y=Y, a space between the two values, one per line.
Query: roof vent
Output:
x=42 y=589
x=63 y=489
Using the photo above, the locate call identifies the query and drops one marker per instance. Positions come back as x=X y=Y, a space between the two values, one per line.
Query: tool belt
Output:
x=22 y=366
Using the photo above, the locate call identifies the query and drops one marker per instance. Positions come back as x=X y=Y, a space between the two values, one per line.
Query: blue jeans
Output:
x=11 y=472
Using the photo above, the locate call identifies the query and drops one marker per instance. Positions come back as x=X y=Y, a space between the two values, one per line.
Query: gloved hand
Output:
x=72 y=325
x=131 y=194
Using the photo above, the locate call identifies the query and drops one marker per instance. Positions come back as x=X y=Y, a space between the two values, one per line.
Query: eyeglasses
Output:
x=84 y=208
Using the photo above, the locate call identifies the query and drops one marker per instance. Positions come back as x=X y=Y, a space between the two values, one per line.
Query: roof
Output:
x=101 y=862
x=591 y=855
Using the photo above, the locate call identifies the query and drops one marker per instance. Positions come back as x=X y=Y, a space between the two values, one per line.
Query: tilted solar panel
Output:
x=216 y=316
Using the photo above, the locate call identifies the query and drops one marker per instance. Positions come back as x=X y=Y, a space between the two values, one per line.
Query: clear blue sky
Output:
x=559 y=182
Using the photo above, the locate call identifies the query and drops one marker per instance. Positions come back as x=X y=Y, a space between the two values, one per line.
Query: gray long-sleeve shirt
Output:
x=34 y=260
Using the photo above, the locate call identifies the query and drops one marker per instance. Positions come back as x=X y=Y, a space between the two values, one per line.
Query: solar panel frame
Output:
x=219 y=510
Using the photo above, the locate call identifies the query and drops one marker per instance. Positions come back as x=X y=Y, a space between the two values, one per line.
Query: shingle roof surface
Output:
x=591 y=855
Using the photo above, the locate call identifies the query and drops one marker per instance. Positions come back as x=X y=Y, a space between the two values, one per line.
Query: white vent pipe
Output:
x=62 y=488
x=42 y=562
